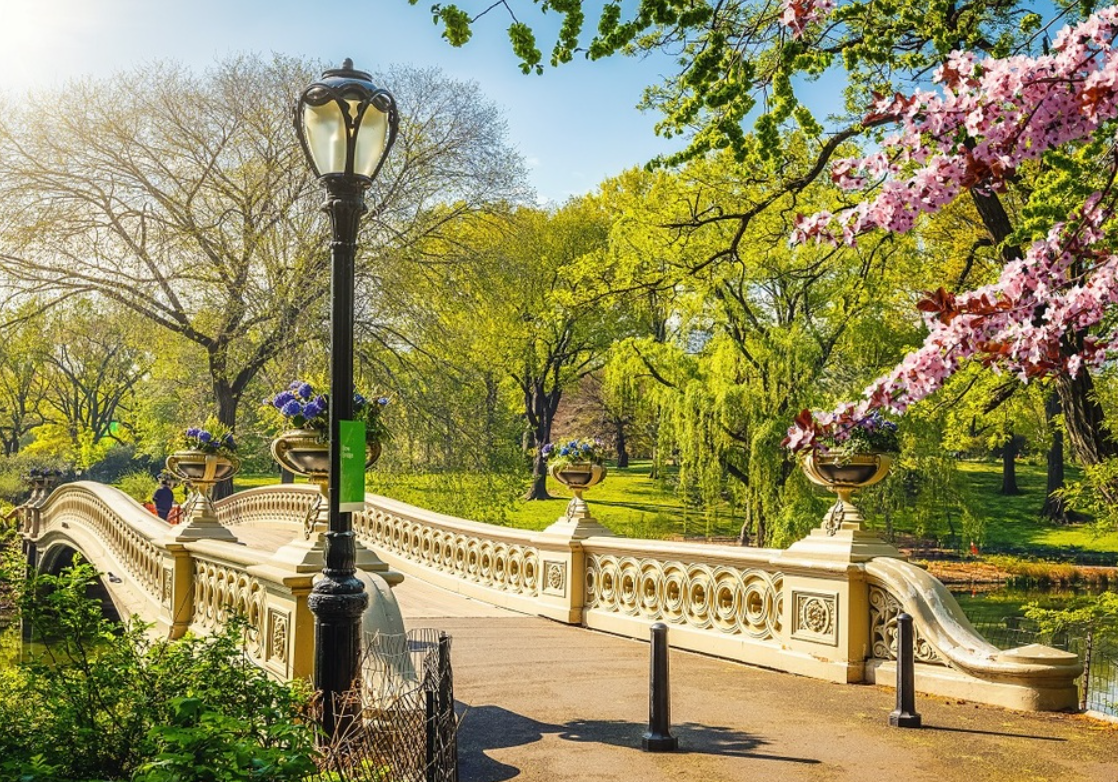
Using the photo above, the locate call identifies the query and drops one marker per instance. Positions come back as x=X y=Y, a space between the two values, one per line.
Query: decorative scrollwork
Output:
x=884 y=609
x=139 y=557
x=496 y=564
x=222 y=591
x=727 y=599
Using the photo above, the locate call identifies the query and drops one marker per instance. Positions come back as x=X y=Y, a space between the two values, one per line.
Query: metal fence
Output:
x=1098 y=687
x=404 y=727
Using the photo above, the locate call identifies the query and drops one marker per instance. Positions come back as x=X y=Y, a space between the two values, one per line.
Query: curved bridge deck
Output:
x=540 y=700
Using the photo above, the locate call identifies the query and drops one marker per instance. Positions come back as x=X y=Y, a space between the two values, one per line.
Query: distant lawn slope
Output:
x=632 y=504
x=1013 y=523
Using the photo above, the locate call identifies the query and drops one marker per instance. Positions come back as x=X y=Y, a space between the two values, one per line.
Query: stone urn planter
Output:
x=578 y=477
x=201 y=470
x=303 y=452
x=844 y=474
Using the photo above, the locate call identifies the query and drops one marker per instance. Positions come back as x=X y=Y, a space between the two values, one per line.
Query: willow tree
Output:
x=759 y=329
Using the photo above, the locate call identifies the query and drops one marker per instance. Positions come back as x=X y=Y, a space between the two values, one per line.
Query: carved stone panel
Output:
x=815 y=617
x=168 y=585
x=884 y=610
x=555 y=578
x=278 y=624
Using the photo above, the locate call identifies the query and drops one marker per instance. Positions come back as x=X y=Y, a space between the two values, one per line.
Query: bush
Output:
x=120 y=460
x=13 y=488
x=110 y=703
x=138 y=485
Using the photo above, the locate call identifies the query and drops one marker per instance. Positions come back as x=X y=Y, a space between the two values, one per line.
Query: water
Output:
x=999 y=616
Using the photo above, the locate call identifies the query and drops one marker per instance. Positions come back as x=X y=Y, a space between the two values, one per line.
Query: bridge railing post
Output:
x=178 y=588
x=562 y=576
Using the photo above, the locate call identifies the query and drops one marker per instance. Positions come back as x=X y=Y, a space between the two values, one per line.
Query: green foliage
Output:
x=111 y=703
x=138 y=485
x=1096 y=614
x=13 y=486
x=1093 y=493
x=204 y=744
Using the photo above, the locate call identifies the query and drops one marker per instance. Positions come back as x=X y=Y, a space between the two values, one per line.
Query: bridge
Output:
x=825 y=608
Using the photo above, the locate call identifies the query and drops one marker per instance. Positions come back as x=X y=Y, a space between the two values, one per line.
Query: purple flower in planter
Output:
x=205 y=436
x=305 y=391
x=282 y=399
x=382 y=401
x=312 y=408
x=292 y=408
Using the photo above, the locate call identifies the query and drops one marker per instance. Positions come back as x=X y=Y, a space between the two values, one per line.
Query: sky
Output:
x=575 y=126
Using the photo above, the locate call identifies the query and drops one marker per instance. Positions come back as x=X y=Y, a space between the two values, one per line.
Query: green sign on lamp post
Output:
x=351 y=487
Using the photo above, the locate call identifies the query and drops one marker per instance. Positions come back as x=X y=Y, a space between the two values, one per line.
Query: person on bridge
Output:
x=164 y=499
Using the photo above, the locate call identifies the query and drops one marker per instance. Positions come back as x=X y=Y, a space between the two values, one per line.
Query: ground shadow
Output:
x=992 y=733
x=485 y=728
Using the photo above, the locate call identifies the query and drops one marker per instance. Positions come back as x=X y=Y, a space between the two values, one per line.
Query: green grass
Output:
x=634 y=505
x=1014 y=523
x=628 y=502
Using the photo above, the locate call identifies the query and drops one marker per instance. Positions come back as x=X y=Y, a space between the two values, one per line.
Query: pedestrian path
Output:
x=547 y=702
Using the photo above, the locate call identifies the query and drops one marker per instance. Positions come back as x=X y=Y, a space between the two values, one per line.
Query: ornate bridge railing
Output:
x=181 y=582
x=825 y=607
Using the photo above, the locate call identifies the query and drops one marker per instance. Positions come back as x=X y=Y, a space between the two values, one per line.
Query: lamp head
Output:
x=346 y=124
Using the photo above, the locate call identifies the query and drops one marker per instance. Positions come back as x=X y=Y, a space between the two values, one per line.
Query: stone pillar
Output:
x=178 y=589
x=563 y=563
x=201 y=522
x=826 y=596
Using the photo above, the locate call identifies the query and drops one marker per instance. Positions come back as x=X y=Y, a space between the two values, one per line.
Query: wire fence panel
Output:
x=404 y=728
x=1098 y=686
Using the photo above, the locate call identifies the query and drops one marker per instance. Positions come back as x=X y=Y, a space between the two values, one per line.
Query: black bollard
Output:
x=905 y=716
x=659 y=737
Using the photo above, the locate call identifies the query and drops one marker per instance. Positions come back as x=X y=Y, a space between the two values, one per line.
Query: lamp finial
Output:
x=347 y=64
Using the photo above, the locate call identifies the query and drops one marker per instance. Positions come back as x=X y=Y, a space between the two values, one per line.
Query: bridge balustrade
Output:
x=825 y=607
x=176 y=583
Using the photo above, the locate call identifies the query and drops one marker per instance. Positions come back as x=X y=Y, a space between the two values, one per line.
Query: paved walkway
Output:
x=546 y=702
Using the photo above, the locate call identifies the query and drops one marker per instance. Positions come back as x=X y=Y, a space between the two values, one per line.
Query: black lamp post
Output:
x=346 y=125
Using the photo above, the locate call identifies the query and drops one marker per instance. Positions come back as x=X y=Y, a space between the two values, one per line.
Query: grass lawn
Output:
x=1012 y=522
x=627 y=501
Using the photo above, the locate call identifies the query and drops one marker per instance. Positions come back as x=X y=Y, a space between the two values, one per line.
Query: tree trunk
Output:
x=622 y=452
x=227 y=416
x=1054 y=509
x=541 y=436
x=1088 y=436
x=1009 y=465
x=538 y=489
x=1084 y=421
x=540 y=406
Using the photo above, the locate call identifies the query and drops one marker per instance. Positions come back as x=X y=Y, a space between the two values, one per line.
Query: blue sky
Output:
x=575 y=126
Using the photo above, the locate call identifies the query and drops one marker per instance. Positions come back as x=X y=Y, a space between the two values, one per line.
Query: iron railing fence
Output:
x=1098 y=686
x=405 y=728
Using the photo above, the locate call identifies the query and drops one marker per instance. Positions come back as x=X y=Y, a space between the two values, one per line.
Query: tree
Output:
x=748 y=58
x=23 y=378
x=759 y=329
x=194 y=208
x=1043 y=316
x=94 y=364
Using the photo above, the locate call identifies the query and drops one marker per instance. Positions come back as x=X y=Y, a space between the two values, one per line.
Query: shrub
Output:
x=138 y=485
x=119 y=461
x=110 y=703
